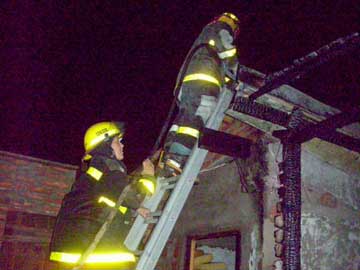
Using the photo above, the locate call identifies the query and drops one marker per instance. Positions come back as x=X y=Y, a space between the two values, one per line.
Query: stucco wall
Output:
x=218 y=204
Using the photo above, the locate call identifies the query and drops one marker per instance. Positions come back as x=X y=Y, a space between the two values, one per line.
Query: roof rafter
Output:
x=303 y=65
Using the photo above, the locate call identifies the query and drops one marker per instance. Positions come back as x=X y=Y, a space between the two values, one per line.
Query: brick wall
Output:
x=3 y=212
x=33 y=185
x=31 y=191
x=26 y=239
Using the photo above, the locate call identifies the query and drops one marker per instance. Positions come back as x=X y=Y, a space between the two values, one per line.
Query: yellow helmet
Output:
x=101 y=132
x=231 y=20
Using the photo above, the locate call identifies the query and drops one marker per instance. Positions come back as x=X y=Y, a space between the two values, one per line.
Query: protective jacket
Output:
x=85 y=208
x=202 y=76
x=207 y=61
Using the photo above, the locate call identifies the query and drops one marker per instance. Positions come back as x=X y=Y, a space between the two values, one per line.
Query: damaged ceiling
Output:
x=265 y=102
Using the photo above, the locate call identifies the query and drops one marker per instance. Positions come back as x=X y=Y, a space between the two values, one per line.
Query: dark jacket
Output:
x=81 y=214
x=205 y=60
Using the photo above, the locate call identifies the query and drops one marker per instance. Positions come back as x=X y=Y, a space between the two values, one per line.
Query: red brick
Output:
x=21 y=162
x=8 y=167
x=21 y=256
x=6 y=185
x=57 y=184
x=5 y=197
x=36 y=196
x=24 y=178
x=22 y=233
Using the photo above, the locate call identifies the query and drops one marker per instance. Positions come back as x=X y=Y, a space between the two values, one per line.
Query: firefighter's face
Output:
x=118 y=148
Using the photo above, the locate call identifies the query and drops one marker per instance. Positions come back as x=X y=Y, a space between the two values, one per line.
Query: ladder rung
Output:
x=151 y=220
x=154 y=217
x=156 y=213
x=168 y=186
x=137 y=252
x=139 y=227
x=169 y=179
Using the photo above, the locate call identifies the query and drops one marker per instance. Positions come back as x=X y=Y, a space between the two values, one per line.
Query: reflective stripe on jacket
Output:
x=86 y=206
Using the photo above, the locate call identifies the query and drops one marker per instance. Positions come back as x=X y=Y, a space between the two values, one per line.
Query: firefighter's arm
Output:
x=148 y=167
x=144 y=178
x=133 y=200
x=143 y=183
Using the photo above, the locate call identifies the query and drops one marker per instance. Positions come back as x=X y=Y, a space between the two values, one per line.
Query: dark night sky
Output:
x=65 y=65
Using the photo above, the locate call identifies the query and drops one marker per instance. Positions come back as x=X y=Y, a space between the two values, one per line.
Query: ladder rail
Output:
x=163 y=228
x=170 y=214
x=103 y=229
x=140 y=226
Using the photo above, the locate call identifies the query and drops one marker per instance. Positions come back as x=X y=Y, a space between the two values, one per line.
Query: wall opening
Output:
x=214 y=251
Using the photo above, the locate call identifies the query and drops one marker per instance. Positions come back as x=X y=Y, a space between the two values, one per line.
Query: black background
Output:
x=65 y=65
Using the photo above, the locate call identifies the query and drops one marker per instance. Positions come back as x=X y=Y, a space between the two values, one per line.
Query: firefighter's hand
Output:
x=144 y=212
x=148 y=167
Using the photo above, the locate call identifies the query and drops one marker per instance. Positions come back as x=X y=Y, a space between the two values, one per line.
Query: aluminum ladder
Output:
x=181 y=187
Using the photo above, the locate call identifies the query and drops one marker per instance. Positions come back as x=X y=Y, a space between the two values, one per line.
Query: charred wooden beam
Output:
x=324 y=129
x=290 y=196
x=263 y=112
x=224 y=143
x=292 y=205
x=341 y=140
x=303 y=65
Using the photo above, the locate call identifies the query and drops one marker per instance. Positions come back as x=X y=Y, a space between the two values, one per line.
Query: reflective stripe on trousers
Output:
x=111 y=257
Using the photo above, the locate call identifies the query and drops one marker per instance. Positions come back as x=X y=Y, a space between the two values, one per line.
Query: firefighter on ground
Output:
x=92 y=196
x=210 y=64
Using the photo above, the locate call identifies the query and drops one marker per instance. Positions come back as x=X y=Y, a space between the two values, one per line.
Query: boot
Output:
x=168 y=167
x=172 y=165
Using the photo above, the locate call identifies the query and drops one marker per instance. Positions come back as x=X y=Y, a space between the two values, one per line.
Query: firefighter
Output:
x=92 y=196
x=209 y=65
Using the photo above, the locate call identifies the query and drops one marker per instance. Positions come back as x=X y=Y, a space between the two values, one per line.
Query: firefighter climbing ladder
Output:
x=181 y=188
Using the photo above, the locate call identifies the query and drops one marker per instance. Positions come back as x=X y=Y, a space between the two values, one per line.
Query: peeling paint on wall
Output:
x=329 y=244
x=273 y=156
x=321 y=175
x=326 y=178
x=254 y=255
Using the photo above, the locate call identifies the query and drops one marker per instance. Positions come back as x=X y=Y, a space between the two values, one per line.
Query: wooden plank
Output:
x=192 y=254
